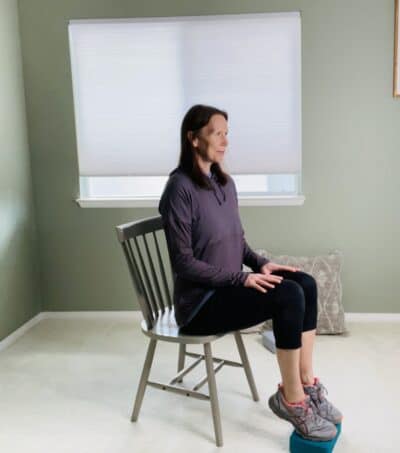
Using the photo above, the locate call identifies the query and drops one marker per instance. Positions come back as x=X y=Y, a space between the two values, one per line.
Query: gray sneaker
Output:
x=324 y=408
x=305 y=420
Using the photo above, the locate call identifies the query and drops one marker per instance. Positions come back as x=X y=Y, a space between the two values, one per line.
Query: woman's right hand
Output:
x=261 y=281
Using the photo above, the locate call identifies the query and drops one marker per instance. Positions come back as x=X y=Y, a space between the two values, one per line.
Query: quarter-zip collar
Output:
x=221 y=197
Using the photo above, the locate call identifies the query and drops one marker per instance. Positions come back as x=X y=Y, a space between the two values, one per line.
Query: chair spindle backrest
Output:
x=147 y=265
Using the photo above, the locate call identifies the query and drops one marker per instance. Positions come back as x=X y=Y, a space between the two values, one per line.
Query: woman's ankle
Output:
x=307 y=379
x=293 y=397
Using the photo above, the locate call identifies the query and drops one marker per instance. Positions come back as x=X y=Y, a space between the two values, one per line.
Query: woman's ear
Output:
x=193 y=140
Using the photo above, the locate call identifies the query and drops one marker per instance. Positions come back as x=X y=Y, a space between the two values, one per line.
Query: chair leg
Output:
x=181 y=358
x=246 y=365
x=143 y=379
x=213 y=394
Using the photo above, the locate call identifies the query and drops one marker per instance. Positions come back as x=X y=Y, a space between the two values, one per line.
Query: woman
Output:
x=212 y=294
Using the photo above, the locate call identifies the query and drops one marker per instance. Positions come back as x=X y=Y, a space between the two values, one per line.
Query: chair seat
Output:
x=166 y=329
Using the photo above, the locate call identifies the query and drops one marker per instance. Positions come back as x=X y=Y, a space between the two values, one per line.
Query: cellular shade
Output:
x=133 y=80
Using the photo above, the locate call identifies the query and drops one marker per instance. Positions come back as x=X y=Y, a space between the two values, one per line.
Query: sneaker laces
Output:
x=304 y=412
x=317 y=392
x=321 y=391
x=318 y=399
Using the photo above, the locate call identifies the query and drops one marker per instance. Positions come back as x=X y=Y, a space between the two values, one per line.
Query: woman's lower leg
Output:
x=287 y=324
x=306 y=357
x=289 y=364
x=296 y=367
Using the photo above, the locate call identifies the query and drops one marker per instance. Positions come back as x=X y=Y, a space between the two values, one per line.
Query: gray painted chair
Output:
x=141 y=242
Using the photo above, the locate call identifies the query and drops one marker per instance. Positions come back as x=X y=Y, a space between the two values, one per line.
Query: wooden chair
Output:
x=141 y=242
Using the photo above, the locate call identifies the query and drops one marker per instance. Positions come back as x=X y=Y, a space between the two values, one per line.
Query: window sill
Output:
x=277 y=200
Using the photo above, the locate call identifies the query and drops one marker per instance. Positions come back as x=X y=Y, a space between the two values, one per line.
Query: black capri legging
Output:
x=292 y=305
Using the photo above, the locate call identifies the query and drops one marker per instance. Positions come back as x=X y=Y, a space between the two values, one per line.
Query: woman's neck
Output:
x=205 y=166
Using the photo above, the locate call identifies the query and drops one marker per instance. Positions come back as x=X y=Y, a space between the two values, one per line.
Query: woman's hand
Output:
x=262 y=281
x=271 y=267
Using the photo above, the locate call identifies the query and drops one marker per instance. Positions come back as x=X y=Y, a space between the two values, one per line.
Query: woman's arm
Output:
x=176 y=211
x=251 y=258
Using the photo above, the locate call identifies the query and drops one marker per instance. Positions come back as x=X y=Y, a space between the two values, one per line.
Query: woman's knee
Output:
x=291 y=296
x=289 y=315
x=309 y=286
x=306 y=281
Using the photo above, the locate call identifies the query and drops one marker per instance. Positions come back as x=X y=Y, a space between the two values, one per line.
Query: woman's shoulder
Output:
x=179 y=191
x=229 y=180
x=180 y=182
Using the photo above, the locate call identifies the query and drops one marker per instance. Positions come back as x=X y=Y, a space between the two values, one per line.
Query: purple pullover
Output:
x=205 y=241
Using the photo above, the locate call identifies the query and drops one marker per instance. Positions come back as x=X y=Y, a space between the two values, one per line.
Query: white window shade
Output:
x=133 y=81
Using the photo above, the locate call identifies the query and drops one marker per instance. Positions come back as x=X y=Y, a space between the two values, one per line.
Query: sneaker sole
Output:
x=280 y=415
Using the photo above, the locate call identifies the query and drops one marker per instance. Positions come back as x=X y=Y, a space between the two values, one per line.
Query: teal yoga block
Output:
x=300 y=445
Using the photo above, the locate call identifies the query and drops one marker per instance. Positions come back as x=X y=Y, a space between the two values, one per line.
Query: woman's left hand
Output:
x=271 y=267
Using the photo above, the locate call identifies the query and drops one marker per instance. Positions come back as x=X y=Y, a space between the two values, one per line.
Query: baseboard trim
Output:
x=372 y=317
x=91 y=314
x=7 y=341
x=134 y=314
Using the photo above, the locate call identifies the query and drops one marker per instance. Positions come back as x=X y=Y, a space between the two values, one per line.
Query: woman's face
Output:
x=211 y=141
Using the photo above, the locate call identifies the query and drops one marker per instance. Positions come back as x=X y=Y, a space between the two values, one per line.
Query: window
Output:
x=133 y=80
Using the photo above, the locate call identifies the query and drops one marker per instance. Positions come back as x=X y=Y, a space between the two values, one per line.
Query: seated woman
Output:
x=212 y=294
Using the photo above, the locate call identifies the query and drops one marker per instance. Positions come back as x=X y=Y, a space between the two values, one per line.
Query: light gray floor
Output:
x=68 y=386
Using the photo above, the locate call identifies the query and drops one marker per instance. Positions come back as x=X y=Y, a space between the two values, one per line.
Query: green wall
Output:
x=19 y=279
x=351 y=146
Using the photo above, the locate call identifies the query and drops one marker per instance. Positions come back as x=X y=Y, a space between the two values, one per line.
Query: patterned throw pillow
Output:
x=326 y=271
